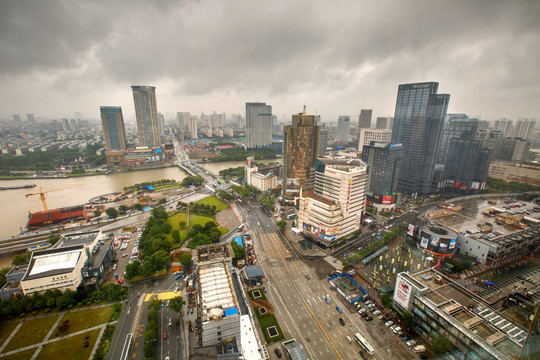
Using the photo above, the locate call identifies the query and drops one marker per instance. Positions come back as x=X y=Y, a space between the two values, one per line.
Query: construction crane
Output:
x=42 y=193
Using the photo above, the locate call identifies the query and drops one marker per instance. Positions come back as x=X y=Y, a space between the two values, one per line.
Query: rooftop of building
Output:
x=53 y=262
x=217 y=292
x=21 y=269
x=83 y=238
x=469 y=313
x=295 y=350
x=213 y=253
x=311 y=194
x=345 y=165
x=474 y=212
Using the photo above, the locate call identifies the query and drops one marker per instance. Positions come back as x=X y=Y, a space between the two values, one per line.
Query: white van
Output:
x=419 y=349
x=348 y=338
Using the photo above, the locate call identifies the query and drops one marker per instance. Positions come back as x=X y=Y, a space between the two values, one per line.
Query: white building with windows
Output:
x=336 y=205
x=369 y=135
x=258 y=125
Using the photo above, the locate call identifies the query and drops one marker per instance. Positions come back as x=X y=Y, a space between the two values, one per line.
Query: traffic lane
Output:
x=124 y=325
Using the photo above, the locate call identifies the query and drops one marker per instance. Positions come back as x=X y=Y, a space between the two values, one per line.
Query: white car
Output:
x=389 y=323
x=396 y=330
x=376 y=312
x=411 y=342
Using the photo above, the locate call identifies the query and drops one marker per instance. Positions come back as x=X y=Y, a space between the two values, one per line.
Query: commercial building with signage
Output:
x=263 y=182
x=383 y=160
x=434 y=238
x=336 y=206
x=443 y=308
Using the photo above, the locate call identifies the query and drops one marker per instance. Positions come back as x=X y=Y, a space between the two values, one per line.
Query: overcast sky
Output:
x=337 y=57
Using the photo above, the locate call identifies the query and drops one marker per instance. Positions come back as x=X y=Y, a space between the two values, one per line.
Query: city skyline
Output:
x=76 y=66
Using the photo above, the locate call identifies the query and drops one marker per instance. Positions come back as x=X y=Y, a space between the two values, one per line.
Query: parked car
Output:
x=361 y=311
x=411 y=342
x=120 y=281
x=389 y=323
x=277 y=352
x=165 y=334
x=368 y=318
x=327 y=300
x=397 y=330
x=339 y=309
x=342 y=322
x=376 y=312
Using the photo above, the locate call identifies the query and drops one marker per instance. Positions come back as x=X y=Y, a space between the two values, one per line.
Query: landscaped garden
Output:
x=78 y=347
x=264 y=311
x=31 y=332
x=80 y=320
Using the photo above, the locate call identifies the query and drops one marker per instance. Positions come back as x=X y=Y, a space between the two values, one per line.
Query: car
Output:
x=277 y=352
x=368 y=318
x=170 y=322
x=397 y=330
x=364 y=314
x=120 y=281
x=308 y=277
x=164 y=334
x=363 y=355
x=339 y=309
x=411 y=342
x=376 y=312
x=389 y=323
x=393 y=326
x=176 y=289
x=124 y=255
x=167 y=358
x=327 y=300
x=361 y=311
x=114 y=267
x=405 y=338
x=342 y=322
x=267 y=225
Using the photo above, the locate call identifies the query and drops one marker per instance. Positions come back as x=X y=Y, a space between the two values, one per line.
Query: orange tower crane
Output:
x=42 y=193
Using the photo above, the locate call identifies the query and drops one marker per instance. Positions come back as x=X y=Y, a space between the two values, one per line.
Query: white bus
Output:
x=363 y=342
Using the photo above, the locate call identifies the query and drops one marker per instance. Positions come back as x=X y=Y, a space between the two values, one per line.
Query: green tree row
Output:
x=150 y=183
x=237 y=172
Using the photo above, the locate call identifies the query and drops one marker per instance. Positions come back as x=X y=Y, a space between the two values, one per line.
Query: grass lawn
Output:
x=71 y=348
x=31 y=332
x=25 y=355
x=193 y=219
x=267 y=320
x=5 y=330
x=212 y=200
x=84 y=319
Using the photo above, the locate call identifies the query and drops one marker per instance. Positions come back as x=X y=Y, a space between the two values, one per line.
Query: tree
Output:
x=176 y=236
x=386 y=301
x=182 y=224
x=133 y=269
x=154 y=304
x=97 y=213
x=238 y=250
x=112 y=213
x=281 y=225
x=147 y=269
x=3 y=273
x=122 y=209
x=138 y=206
x=176 y=304
x=54 y=239
x=440 y=345
x=19 y=259
x=408 y=320
x=186 y=260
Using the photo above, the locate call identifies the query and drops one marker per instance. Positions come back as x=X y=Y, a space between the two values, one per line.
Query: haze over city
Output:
x=62 y=57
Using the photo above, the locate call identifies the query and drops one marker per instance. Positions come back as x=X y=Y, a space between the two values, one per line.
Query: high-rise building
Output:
x=65 y=125
x=364 y=120
x=344 y=125
x=456 y=126
x=323 y=141
x=258 y=125
x=368 y=135
x=418 y=123
x=30 y=118
x=182 y=118
x=524 y=128
x=148 y=122
x=192 y=126
x=383 y=161
x=513 y=149
x=335 y=207
x=114 y=132
x=74 y=124
x=17 y=118
x=300 y=150
x=384 y=123
x=504 y=125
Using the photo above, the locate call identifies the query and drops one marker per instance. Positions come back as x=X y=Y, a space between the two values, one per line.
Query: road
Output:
x=299 y=302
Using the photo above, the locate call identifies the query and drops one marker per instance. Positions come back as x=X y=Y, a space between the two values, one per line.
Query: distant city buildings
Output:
x=323 y=141
x=300 y=150
x=182 y=118
x=364 y=119
x=418 y=122
x=456 y=126
x=384 y=123
x=258 y=125
x=192 y=126
x=335 y=207
x=114 y=134
x=148 y=121
x=525 y=129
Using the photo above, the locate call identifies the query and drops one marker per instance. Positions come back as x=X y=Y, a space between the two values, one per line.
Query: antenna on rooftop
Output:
x=304 y=108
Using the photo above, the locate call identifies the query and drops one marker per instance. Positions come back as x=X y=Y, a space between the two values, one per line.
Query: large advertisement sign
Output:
x=387 y=199
x=452 y=244
x=434 y=241
x=424 y=242
x=410 y=229
x=443 y=246
x=475 y=185
x=402 y=293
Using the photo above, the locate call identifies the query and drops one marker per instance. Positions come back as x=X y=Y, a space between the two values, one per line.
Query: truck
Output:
x=351 y=273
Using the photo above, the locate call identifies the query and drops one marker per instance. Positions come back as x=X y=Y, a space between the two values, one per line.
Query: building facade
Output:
x=335 y=207
x=114 y=132
x=377 y=135
x=323 y=141
x=525 y=128
x=182 y=118
x=384 y=123
x=456 y=126
x=384 y=162
x=509 y=171
x=148 y=122
x=192 y=126
x=300 y=150
x=344 y=126
x=418 y=121
x=258 y=125
x=364 y=119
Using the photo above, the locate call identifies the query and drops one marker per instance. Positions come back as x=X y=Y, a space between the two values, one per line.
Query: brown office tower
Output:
x=300 y=149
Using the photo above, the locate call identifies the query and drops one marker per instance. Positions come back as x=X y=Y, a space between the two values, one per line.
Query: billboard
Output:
x=402 y=293
x=452 y=244
x=387 y=199
x=434 y=241
x=424 y=242
x=475 y=185
x=410 y=229
x=443 y=246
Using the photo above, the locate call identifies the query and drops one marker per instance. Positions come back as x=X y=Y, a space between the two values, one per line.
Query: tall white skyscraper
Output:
x=258 y=125
x=182 y=118
x=524 y=128
x=148 y=121
x=344 y=126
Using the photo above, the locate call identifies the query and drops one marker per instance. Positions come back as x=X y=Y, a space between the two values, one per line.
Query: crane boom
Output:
x=42 y=193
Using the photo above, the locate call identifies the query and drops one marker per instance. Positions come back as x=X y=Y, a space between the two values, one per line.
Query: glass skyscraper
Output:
x=148 y=122
x=418 y=122
x=113 y=127
x=258 y=125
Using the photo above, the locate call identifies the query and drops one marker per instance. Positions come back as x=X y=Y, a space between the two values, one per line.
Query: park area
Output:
x=67 y=334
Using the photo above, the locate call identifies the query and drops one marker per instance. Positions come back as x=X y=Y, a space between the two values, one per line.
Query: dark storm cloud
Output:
x=338 y=56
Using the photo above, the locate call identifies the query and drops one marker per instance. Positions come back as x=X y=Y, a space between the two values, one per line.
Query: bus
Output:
x=364 y=344
x=241 y=227
x=127 y=347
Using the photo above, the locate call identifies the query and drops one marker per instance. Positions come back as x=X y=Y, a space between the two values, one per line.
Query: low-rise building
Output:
x=260 y=181
x=510 y=171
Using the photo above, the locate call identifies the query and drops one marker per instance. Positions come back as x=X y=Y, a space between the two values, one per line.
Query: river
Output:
x=75 y=191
